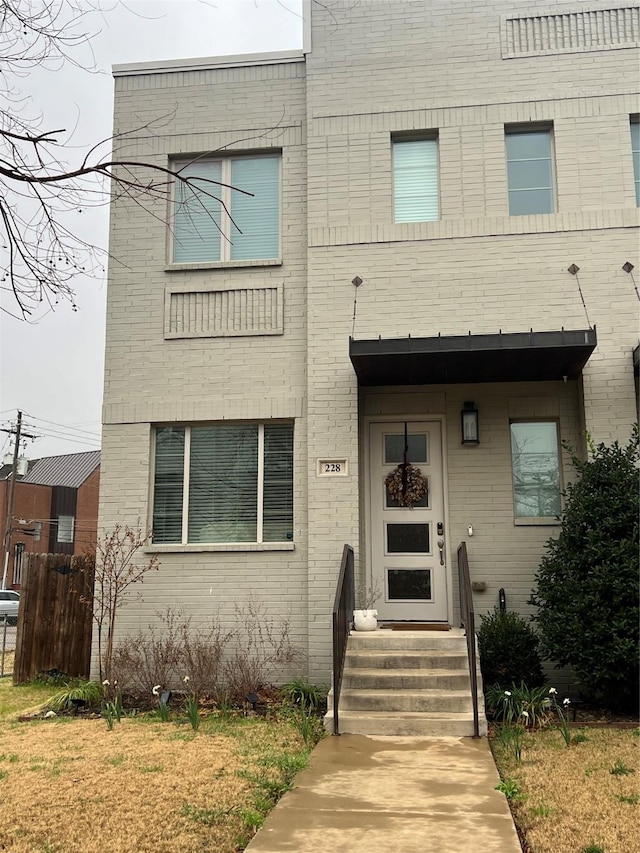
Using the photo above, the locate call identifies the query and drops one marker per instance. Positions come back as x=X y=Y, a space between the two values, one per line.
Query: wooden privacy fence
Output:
x=54 y=625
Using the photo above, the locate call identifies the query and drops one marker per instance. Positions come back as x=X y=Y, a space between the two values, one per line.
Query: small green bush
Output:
x=508 y=651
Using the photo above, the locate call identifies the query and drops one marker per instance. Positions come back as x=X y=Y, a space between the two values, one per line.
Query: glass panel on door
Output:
x=409 y=584
x=407 y=538
x=394 y=448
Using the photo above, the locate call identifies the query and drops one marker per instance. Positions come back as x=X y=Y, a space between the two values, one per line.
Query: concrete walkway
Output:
x=393 y=795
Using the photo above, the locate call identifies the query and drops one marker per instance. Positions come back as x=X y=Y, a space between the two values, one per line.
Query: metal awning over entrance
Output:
x=513 y=357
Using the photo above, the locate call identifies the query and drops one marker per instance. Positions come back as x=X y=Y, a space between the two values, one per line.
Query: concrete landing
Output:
x=392 y=795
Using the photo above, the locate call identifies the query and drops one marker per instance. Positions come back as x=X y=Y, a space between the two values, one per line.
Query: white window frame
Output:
x=634 y=122
x=70 y=523
x=524 y=520
x=514 y=130
x=426 y=137
x=225 y=194
x=233 y=544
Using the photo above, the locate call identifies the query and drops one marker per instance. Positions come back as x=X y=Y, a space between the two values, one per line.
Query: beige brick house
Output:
x=476 y=167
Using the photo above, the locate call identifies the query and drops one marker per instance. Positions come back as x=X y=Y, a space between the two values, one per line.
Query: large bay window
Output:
x=223 y=483
x=228 y=210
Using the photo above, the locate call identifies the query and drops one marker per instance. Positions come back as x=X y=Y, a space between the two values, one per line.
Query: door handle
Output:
x=441 y=549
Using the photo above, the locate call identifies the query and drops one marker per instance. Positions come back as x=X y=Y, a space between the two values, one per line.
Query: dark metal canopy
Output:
x=514 y=357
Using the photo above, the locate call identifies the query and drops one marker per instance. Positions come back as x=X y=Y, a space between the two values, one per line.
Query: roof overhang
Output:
x=513 y=357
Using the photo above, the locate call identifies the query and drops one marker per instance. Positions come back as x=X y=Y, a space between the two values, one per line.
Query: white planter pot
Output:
x=365 y=620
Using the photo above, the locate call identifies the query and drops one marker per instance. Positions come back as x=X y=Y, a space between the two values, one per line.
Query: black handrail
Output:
x=468 y=620
x=342 y=619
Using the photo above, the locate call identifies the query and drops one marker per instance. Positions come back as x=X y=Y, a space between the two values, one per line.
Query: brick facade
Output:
x=374 y=71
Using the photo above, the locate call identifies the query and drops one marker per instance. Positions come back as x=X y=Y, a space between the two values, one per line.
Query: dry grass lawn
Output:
x=71 y=785
x=570 y=798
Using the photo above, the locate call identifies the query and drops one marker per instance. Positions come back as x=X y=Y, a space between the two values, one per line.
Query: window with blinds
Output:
x=223 y=483
x=415 y=180
x=227 y=210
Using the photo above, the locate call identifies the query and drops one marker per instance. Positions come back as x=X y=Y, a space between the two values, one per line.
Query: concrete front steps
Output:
x=407 y=683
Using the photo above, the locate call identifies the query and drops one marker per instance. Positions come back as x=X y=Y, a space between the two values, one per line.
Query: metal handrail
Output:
x=342 y=619
x=467 y=617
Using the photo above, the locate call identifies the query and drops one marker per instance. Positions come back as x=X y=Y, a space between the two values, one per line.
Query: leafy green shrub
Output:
x=587 y=584
x=508 y=651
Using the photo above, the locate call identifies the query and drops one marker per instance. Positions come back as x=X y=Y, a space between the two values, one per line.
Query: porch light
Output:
x=469 y=419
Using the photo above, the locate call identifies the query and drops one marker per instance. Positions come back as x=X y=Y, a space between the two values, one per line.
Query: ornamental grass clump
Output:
x=532 y=705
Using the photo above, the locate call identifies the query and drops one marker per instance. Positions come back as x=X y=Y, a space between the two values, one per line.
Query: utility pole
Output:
x=12 y=494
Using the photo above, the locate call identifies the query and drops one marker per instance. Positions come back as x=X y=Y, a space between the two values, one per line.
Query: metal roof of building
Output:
x=71 y=470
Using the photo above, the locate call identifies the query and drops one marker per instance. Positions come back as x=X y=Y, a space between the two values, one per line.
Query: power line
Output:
x=62 y=426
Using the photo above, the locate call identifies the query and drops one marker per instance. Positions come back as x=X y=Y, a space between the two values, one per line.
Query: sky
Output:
x=51 y=368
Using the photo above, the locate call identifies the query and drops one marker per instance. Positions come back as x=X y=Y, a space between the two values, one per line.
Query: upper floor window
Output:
x=635 y=153
x=223 y=483
x=415 y=180
x=535 y=463
x=228 y=211
x=66 y=524
x=529 y=171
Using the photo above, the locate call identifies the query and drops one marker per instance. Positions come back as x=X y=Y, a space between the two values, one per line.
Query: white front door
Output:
x=408 y=553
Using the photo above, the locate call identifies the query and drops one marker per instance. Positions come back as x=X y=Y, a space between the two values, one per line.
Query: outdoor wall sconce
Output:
x=469 y=419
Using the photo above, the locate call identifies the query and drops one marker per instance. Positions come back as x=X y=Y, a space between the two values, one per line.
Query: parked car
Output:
x=9 y=604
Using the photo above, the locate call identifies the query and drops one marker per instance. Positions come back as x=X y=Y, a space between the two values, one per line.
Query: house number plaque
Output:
x=332 y=468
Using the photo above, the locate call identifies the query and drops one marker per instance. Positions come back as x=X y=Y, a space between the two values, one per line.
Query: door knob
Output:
x=441 y=549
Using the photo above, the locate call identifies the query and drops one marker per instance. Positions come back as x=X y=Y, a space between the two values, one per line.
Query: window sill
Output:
x=223 y=265
x=537 y=522
x=220 y=547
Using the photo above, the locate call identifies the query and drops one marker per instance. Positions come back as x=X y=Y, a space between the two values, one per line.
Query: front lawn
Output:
x=72 y=784
x=584 y=798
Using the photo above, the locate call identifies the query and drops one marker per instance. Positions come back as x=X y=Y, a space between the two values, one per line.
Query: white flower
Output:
x=566 y=701
x=553 y=690
x=507 y=693
x=525 y=714
x=186 y=679
x=156 y=690
x=106 y=682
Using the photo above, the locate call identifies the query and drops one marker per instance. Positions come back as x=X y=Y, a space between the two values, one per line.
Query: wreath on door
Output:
x=406 y=484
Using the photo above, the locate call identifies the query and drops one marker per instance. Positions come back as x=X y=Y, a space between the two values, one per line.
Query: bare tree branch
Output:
x=41 y=192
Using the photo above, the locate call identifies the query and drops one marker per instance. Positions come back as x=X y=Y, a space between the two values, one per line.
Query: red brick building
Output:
x=55 y=508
